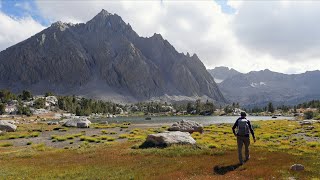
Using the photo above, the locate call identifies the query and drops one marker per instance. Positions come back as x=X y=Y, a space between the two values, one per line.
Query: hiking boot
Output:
x=247 y=159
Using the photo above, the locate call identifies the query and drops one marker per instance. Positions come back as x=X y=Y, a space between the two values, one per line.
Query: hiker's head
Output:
x=243 y=114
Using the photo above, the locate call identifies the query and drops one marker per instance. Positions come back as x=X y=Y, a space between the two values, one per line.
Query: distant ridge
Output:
x=257 y=88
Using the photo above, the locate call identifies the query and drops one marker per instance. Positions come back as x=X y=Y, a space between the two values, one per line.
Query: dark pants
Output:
x=240 y=141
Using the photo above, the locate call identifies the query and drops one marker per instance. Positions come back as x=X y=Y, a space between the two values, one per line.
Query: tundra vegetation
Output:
x=109 y=151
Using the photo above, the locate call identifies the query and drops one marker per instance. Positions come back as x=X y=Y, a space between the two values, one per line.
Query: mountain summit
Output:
x=105 y=58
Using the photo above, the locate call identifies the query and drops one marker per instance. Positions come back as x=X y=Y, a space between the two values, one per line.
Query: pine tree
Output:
x=270 y=107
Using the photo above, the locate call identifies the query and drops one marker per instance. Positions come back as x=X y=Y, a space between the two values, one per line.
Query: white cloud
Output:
x=260 y=35
x=14 y=30
x=284 y=29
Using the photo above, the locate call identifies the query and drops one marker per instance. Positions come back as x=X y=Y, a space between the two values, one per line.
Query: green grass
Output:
x=5 y=144
x=65 y=137
x=19 y=135
x=89 y=139
x=123 y=136
x=39 y=147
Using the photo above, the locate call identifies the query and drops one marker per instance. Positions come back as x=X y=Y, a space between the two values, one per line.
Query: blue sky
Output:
x=225 y=7
x=21 y=9
x=25 y=8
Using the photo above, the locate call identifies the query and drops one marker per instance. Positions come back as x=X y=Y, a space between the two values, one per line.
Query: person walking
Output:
x=243 y=126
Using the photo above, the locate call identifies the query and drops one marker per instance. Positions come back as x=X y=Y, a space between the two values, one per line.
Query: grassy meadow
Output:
x=39 y=151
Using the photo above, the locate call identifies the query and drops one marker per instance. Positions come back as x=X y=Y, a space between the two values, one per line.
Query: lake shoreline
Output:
x=167 y=120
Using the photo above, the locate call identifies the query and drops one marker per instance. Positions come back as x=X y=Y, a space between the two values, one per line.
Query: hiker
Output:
x=243 y=137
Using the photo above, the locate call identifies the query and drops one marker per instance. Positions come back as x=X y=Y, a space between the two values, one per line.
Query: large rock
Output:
x=74 y=122
x=169 y=138
x=10 y=121
x=8 y=127
x=297 y=167
x=186 y=126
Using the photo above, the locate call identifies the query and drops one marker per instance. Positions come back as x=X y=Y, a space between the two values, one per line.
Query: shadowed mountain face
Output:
x=257 y=88
x=104 y=58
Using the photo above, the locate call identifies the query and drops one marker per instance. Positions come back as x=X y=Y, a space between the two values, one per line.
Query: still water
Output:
x=201 y=119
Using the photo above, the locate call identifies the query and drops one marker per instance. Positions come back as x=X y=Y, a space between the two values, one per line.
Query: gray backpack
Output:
x=243 y=127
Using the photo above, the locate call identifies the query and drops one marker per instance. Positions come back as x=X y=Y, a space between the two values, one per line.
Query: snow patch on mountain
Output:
x=257 y=84
x=218 y=80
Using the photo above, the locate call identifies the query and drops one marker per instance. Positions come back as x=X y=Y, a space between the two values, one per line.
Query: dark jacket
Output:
x=249 y=124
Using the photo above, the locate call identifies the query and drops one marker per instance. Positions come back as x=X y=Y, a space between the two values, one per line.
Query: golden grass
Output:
x=280 y=135
x=119 y=161
x=279 y=145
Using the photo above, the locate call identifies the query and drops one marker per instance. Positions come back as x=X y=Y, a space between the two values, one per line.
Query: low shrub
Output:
x=29 y=143
x=123 y=136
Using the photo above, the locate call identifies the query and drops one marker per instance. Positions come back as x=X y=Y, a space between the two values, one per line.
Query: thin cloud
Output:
x=14 y=30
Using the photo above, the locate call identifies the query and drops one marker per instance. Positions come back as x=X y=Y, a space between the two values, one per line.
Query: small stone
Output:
x=53 y=123
x=297 y=167
x=309 y=127
x=305 y=122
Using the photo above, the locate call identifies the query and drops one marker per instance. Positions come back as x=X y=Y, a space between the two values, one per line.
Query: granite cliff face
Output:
x=104 y=58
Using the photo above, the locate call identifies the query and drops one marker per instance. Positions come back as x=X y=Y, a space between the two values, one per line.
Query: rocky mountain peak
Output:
x=103 y=13
x=194 y=56
x=107 y=21
x=105 y=58
x=61 y=25
x=157 y=36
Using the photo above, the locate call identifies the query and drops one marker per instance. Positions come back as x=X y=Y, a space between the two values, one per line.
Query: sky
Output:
x=282 y=36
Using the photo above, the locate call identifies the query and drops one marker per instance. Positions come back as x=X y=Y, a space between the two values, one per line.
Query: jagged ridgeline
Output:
x=104 y=58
